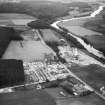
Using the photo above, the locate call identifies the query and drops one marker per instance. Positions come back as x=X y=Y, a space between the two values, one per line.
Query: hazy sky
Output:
x=76 y=0
x=59 y=0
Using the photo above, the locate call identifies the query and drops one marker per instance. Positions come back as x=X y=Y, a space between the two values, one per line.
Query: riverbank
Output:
x=88 y=47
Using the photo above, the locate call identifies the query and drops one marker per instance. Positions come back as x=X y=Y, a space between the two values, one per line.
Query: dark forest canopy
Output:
x=39 y=24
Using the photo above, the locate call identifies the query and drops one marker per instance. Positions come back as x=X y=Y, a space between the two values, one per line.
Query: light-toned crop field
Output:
x=31 y=50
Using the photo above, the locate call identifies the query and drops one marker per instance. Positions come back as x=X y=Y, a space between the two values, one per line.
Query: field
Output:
x=43 y=10
x=14 y=19
x=27 y=50
x=97 y=24
x=95 y=34
x=92 y=74
x=81 y=31
x=46 y=10
x=49 y=36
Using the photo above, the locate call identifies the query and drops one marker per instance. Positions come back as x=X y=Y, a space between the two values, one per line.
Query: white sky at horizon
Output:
x=57 y=0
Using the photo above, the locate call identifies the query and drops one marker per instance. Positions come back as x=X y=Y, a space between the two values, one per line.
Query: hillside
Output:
x=47 y=10
x=41 y=10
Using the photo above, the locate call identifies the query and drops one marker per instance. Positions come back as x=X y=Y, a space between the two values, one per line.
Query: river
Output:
x=88 y=47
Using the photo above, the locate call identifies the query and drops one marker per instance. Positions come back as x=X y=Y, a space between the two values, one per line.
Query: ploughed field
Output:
x=94 y=75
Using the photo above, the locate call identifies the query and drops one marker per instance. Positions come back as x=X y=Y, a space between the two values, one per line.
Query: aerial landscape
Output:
x=52 y=52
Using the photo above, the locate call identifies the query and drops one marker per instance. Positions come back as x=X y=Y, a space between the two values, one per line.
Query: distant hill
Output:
x=47 y=10
x=63 y=1
x=68 y=1
x=37 y=9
